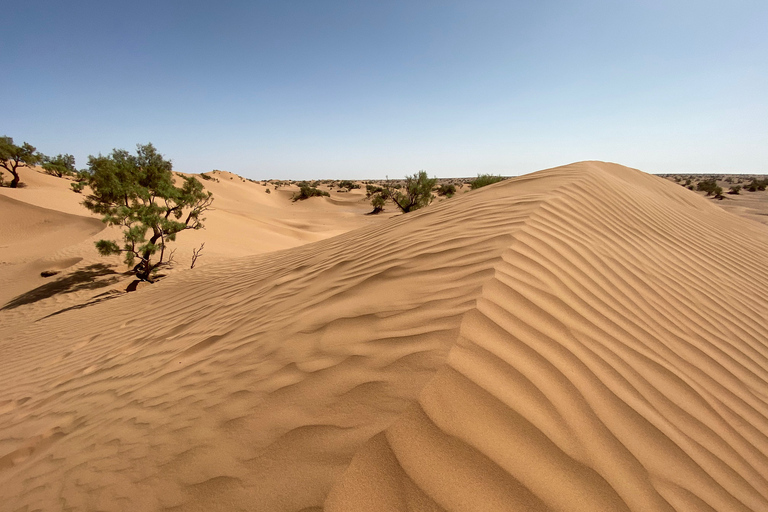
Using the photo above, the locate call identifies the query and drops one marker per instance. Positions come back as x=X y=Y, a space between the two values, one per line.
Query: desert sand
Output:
x=584 y=338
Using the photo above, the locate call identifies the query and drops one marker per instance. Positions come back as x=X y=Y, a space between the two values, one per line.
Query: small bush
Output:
x=483 y=180
x=371 y=190
x=306 y=191
x=756 y=185
x=709 y=186
x=269 y=191
x=378 y=204
x=349 y=185
x=446 y=190
x=735 y=190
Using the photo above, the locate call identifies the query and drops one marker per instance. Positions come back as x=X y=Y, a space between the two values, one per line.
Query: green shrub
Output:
x=483 y=180
x=306 y=191
x=446 y=190
x=371 y=190
x=735 y=190
x=709 y=186
x=756 y=185
x=349 y=185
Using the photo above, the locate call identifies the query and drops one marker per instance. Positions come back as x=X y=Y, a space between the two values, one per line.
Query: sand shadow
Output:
x=96 y=300
x=86 y=278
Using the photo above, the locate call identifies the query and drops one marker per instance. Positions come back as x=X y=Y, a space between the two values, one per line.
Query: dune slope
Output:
x=582 y=338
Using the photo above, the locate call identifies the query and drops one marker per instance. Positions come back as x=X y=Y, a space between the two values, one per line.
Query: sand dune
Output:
x=583 y=338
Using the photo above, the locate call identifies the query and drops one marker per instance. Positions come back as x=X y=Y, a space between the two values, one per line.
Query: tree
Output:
x=60 y=165
x=418 y=192
x=12 y=157
x=137 y=192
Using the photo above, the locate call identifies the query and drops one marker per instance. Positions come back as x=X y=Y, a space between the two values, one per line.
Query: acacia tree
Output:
x=137 y=192
x=60 y=165
x=12 y=157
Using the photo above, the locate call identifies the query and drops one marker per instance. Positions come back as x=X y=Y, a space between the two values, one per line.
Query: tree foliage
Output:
x=60 y=165
x=138 y=193
x=12 y=157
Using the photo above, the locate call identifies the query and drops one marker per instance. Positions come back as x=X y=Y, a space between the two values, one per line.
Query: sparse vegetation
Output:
x=757 y=184
x=711 y=187
x=137 y=193
x=349 y=185
x=306 y=191
x=483 y=180
x=372 y=189
x=735 y=190
x=446 y=190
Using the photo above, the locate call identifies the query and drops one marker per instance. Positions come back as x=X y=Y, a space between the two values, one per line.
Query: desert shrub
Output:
x=735 y=190
x=709 y=186
x=417 y=193
x=137 y=193
x=206 y=177
x=269 y=191
x=371 y=190
x=756 y=185
x=483 y=180
x=446 y=190
x=378 y=204
x=306 y=191
x=349 y=185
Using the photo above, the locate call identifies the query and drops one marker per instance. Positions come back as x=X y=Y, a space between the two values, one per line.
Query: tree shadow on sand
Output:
x=86 y=278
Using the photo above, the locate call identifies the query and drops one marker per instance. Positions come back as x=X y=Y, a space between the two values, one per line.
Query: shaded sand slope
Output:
x=560 y=341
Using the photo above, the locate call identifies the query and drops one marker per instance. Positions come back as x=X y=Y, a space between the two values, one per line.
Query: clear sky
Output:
x=362 y=89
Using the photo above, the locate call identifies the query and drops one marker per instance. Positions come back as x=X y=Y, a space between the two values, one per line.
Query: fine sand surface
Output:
x=585 y=338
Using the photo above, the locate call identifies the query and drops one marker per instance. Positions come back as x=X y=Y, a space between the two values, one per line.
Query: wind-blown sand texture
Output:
x=582 y=338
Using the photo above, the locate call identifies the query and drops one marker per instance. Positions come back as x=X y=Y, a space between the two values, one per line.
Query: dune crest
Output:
x=574 y=339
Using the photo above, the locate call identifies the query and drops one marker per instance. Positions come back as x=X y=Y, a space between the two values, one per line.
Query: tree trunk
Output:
x=146 y=272
x=15 y=180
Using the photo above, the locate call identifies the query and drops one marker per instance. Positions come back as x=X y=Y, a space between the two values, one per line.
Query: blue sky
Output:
x=344 y=89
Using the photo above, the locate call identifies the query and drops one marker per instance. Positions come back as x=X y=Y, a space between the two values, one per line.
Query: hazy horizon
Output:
x=300 y=89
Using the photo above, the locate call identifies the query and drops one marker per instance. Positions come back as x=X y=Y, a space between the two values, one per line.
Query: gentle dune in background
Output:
x=582 y=338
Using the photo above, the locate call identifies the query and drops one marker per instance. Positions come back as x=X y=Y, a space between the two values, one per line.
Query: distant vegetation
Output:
x=484 y=180
x=137 y=192
x=349 y=185
x=306 y=191
x=757 y=184
x=711 y=188
x=713 y=185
